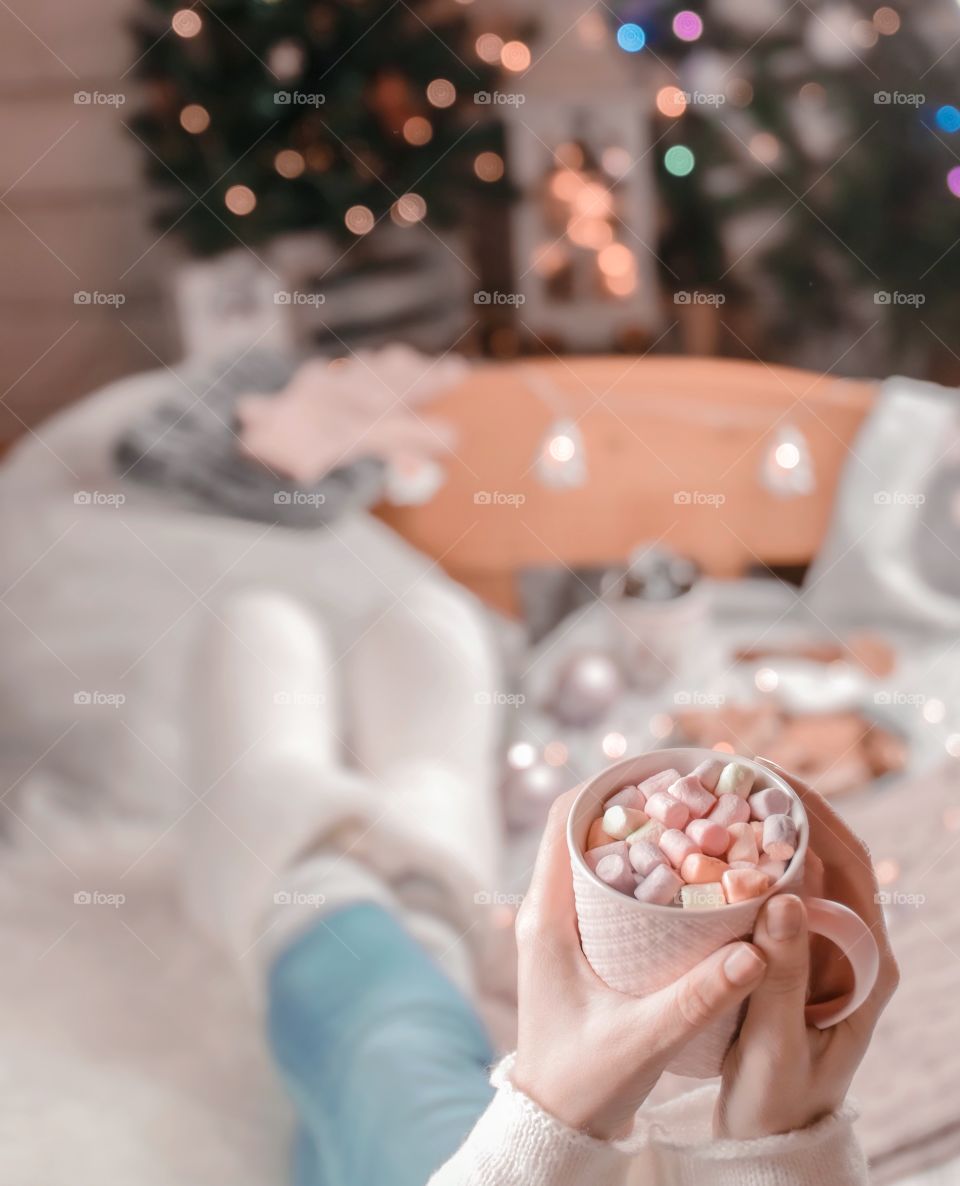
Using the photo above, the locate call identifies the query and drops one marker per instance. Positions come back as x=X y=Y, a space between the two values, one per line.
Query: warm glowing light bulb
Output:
x=186 y=23
x=671 y=101
x=787 y=455
x=515 y=57
x=488 y=47
x=441 y=93
x=488 y=166
x=417 y=130
x=289 y=163
x=240 y=199
x=194 y=119
x=359 y=220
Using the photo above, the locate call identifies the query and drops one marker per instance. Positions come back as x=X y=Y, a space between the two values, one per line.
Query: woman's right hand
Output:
x=782 y=1074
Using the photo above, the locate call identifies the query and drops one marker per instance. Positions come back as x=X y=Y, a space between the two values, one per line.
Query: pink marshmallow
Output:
x=771 y=801
x=709 y=772
x=757 y=826
x=651 y=832
x=740 y=885
x=668 y=811
x=644 y=857
x=730 y=809
x=773 y=869
x=616 y=871
x=743 y=844
x=617 y=848
x=693 y=795
x=677 y=846
x=597 y=837
x=701 y=870
x=779 y=837
x=619 y=822
x=658 y=782
x=710 y=837
x=627 y=797
x=660 y=888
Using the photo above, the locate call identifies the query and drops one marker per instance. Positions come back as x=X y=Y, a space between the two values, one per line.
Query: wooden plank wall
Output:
x=74 y=213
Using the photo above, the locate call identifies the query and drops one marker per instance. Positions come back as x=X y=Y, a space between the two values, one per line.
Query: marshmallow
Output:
x=615 y=870
x=659 y=888
x=740 y=885
x=597 y=837
x=735 y=779
x=772 y=801
x=702 y=870
x=658 y=782
x=710 y=837
x=773 y=869
x=627 y=797
x=757 y=826
x=617 y=848
x=651 y=831
x=730 y=809
x=779 y=837
x=709 y=772
x=669 y=811
x=743 y=864
x=693 y=795
x=644 y=857
x=619 y=822
x=743 y=844
x=702 y=897
x=678 y=846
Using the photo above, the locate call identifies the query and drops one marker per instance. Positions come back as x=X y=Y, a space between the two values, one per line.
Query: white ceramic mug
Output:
x=638 y=948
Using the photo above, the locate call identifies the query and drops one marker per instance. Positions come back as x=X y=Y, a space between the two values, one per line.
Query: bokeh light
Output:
x=488 y=166
x=679 y=160
x=194 y=118
x=521 y=755
x=952 y=745
x=631 y=38
x=765 y=147
x=671 y=101
x=186 y=23
x=887 y=21
x=934 y=711
x=948 y=118
x=555 y=753
x=953 y=181
x=417 y=130
x=687 y=25
x=766 y=679
x=515 y=56
x=441 y=93
x=569 y=154
x=289 y=163
x=488 y=47
x=240 y=199
x=593 y=233
x=614 y=745
x=865 y=34
x=739 y=92
x=616 y=260
x=787 y=455
x=616 y=161
x=562 y=448
x=408 y=209
x=359 y=220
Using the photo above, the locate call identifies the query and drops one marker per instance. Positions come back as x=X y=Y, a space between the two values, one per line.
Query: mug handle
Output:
x=851 y=934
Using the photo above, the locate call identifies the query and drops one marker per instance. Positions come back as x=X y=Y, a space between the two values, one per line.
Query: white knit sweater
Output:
x=516 y=1143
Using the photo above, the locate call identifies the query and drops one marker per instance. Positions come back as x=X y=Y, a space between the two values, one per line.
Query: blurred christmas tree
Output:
x=807 y=159
x=270 y=116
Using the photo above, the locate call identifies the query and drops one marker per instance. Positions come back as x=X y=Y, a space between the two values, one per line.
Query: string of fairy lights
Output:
x=286 y=61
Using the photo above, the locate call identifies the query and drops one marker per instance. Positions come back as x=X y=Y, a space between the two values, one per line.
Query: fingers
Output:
x=717 y=985
x=547 y=919
x=848 y=877
x=775 y=1015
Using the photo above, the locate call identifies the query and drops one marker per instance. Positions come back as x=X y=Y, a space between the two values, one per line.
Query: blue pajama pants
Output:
x=385 y=1060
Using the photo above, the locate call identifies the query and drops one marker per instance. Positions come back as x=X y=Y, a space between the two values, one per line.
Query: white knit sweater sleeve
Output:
x=516 y=1143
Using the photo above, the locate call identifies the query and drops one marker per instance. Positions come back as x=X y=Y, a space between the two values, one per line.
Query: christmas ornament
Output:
x=587 y=685
x=528 y=792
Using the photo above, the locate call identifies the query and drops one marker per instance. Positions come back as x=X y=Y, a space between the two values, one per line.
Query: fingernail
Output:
x=742 y=965
x=784 y=917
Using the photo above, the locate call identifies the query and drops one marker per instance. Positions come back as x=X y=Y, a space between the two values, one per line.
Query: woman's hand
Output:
x=782 y=1074
x=586 y=1054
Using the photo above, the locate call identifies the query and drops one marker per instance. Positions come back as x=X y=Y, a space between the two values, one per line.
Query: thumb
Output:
x=716 y=986
x=776 y=1009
